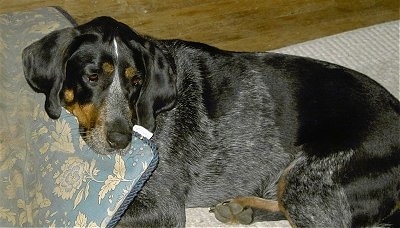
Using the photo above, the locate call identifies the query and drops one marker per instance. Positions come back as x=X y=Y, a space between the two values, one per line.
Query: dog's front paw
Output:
x=232 y=212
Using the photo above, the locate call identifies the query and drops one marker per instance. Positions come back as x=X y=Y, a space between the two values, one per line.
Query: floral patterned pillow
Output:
x=49 y=176
x=74 y=180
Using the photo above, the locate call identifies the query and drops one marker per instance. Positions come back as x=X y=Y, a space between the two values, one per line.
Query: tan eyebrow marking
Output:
x=108 y=68
x=130 y=72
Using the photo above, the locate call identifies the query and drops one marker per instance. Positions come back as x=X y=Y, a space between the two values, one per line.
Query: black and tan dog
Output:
x=277 y=134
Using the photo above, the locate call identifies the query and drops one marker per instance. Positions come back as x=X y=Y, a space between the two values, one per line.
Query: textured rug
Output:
x=373 y=51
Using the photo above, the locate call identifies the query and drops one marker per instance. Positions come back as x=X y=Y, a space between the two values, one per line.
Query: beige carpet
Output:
x=373 y=51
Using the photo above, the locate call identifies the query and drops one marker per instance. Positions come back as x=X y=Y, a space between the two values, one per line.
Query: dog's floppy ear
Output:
x=44 y=64
x=158 y=91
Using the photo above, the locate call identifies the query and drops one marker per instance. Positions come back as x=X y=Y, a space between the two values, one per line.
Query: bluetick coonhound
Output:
x=269 y=135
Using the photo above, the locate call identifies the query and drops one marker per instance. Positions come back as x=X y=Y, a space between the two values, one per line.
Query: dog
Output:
x=254 y=136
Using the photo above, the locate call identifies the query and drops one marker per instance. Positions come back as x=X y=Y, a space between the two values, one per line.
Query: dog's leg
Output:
x=160 y=203
x=154 y=211
x=308 y=197
x=240 y=210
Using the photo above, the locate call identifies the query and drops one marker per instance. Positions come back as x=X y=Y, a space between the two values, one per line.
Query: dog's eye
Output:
x=93 y=77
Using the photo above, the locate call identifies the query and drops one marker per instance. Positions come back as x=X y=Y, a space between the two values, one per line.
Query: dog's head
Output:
x=106 y=75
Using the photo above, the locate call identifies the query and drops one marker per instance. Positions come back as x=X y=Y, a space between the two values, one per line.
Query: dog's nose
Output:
x=118 y=140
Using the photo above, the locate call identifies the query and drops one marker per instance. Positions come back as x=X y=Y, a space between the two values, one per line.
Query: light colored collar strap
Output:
x=143 y=131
